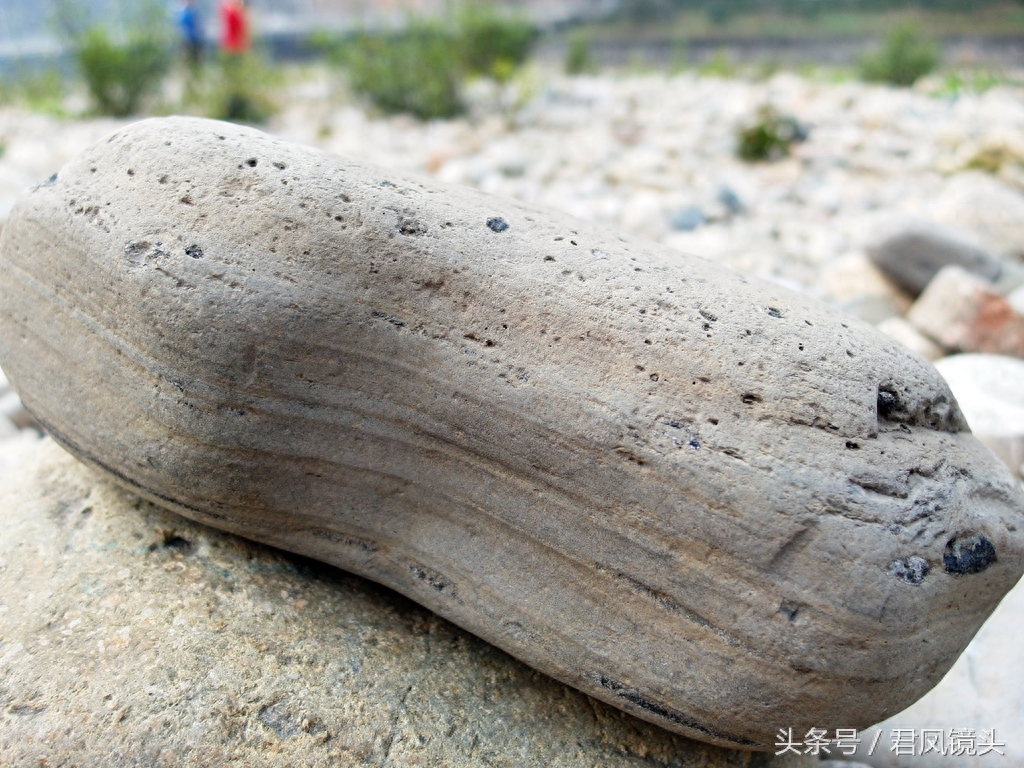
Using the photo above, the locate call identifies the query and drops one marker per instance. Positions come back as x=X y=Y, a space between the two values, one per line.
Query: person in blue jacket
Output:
x=191 y=31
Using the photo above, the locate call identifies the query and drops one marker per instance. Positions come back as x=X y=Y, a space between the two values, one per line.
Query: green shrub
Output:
x=420 y=69
x=720 y=11
x=119 y=71
x=809 y=9
x=976 y=81
x=240 y=89
x=679 y=58
x=904 y=57
x=718 y=65
x=493 y=43
x=417 y=70
x=120 y=75
x=577 y=56
x=321 y=43
x=769 y=137
x=41 y=90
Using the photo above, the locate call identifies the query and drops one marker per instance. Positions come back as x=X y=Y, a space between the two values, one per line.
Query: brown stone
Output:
x=965 y=313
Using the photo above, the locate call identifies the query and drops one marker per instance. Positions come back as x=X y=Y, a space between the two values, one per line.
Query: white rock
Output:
x=1016 y=299
x=990 y=390
x=980 y=202
x=13 y=411
x=7 y=428
x=14 y=449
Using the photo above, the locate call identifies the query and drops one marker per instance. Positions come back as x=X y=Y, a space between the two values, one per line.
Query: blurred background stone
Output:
x=913 y=257
x=911 y=338
x=963 y=312
x=857 y=286
x=982 y=692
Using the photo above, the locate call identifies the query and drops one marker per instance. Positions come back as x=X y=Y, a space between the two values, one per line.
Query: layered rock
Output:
x=708 y=501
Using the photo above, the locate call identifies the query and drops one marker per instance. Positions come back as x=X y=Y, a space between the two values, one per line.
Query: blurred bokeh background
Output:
x=46 y=44
x=868 y=153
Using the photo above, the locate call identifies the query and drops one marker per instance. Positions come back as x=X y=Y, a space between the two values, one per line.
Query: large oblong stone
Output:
x=708 y=501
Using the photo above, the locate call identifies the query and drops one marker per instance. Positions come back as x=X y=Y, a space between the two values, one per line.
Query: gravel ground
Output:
x=655 y=156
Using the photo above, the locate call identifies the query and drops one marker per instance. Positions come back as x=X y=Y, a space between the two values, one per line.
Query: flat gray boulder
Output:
x=130 y=636
x=911 y=258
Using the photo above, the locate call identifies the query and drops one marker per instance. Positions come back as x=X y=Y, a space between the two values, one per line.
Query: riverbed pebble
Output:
x=963 y=312
x=913 y=256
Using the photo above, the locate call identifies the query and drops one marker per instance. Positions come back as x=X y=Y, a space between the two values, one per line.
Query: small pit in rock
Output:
x=172 y=540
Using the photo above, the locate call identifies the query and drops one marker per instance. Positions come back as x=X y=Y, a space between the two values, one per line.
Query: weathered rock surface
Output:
x=130 y=636
x=911 y=258
x=965 y=313
x=710 y=502
x=981 y=696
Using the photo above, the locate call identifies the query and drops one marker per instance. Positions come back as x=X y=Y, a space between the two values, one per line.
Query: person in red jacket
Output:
x=234 y=38
x=234 y=48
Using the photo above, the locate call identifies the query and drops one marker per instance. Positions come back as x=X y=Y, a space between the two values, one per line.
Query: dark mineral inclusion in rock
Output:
x=971 y=554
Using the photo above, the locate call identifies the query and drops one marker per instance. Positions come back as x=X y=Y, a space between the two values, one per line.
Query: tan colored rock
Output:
x=709 y=501
x=965 y=313
x=135 y=637
x=853 y=277
x=906 y=334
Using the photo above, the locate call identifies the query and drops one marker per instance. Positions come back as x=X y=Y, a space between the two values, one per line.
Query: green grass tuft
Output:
x=769 y=137
x=905 y=57
x=416 y=70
